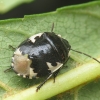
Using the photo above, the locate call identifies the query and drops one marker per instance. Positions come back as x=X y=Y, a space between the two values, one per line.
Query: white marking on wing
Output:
x=32 y=74
x=18 y=52
x=32 y=38
x=54 y=68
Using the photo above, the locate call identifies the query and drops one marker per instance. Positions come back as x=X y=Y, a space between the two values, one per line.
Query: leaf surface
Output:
x=80 y=25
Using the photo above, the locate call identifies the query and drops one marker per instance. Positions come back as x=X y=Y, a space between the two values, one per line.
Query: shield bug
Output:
x=42 y=55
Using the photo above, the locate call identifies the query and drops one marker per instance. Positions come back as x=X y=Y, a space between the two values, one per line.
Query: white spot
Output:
x=21 y=65
x=18 y=52
x=32 y=74
x=32 y=38
x=59 y=35
x=18 y=74
x=12 y=58
x=24 y=76
x=68 y=54
x=12 y=64
x=54 y=68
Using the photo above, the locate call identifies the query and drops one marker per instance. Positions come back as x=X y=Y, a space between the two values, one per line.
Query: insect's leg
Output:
x=67 y=59
x=7 y=69
x=56 y=73
x=52 y=27
x=65 y=63
x=44 y=82
x=11 y=47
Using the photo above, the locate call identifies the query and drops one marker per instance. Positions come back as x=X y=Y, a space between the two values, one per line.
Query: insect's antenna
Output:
x=86 y=55
x=52 y=27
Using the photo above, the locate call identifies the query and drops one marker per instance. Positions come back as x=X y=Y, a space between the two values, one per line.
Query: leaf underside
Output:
x=79 y=24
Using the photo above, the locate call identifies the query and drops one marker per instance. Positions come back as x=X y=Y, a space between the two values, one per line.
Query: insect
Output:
x=41 y=55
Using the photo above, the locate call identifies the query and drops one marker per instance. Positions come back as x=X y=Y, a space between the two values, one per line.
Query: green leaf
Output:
x=6 y=5
x=80 y=26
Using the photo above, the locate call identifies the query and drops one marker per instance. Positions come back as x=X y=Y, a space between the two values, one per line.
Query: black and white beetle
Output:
x=41 y=55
